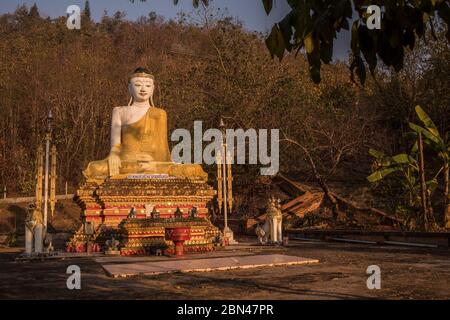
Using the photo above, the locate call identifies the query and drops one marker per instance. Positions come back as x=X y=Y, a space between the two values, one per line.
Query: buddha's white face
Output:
x=141 y=89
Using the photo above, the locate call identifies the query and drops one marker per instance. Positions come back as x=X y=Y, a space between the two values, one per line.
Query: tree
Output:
x=409 y=178
x=152 y=16
x=204 y=69
x=195 y=3
x=441 y=147
x=313 y=25
x=87 y=10
x=34 y=12
x=412 y=168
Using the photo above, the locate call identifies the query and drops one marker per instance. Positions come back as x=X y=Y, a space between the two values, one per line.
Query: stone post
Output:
x=28 y=241
x=38 y=238
x=227 y=232
x=53 y=181
x=48 y=138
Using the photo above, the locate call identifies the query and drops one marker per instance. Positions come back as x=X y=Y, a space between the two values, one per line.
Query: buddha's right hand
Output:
x=114 y=164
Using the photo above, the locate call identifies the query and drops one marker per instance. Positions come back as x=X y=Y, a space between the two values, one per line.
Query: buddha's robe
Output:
x=144 y=149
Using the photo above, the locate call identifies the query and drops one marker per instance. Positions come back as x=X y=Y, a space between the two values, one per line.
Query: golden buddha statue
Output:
x=139 y=143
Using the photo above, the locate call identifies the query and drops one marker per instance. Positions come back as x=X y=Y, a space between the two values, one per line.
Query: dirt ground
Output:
x=406 y=273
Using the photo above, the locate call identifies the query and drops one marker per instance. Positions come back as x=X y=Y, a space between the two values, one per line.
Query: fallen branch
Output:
x=348 y=203
x=354 y=206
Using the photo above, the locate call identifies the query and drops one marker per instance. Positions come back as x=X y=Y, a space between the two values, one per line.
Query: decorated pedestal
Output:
x=159 y=202
x=148 y=235
x=110 y=202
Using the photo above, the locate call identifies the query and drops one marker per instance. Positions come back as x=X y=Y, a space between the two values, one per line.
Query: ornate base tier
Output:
x=159 y=202
x=111 y=201
x=147 y=236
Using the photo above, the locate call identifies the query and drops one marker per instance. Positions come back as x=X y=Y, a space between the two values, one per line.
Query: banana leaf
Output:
x=427 y=134
x=380 y=174
x=376 y=154
x=429 y=124
x=432 y=185
x=403 y=158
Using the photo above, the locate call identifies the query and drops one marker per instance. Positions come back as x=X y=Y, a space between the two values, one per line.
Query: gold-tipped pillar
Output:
x=53 y=181
x=48 y=138
x=229 y=184
x=225 y=197
x=219 y=181
x=224 y=188
x=39 y=176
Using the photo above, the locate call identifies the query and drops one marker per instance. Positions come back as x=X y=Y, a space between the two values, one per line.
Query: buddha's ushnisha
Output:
x=139 y=142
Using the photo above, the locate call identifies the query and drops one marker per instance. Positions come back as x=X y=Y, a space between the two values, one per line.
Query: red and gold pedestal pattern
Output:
x=108 y=204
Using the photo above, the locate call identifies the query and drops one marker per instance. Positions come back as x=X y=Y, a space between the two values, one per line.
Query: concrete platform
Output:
x=253 y=246
x=191 y=256
x=59 y=255
x=202 y=265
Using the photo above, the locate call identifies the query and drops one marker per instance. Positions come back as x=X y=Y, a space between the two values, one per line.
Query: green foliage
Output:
x=267 y=5
x=313 y=25
x=404 y=164
x=202 y=72
x=432 y=136
x=387 y=165
x=407 y=164
x=275 y=43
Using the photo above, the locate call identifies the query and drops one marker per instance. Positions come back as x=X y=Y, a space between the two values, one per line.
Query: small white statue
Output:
x=34 y=230
x=272 y=228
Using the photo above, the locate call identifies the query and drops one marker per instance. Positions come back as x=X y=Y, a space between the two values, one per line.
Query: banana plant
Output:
x=407 y=164
x=401 y=163
x=408 y=167
x=431 y=135
x=440 y=146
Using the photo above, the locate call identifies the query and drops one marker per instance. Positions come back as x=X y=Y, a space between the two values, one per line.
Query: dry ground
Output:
x=341 y=274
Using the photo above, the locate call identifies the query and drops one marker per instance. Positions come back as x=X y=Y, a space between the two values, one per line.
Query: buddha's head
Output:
x=141 y=85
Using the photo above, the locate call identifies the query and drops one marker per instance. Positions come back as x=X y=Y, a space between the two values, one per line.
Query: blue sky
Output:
x=250 y=12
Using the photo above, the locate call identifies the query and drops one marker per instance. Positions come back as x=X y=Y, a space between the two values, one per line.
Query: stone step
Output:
x=202 y=265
